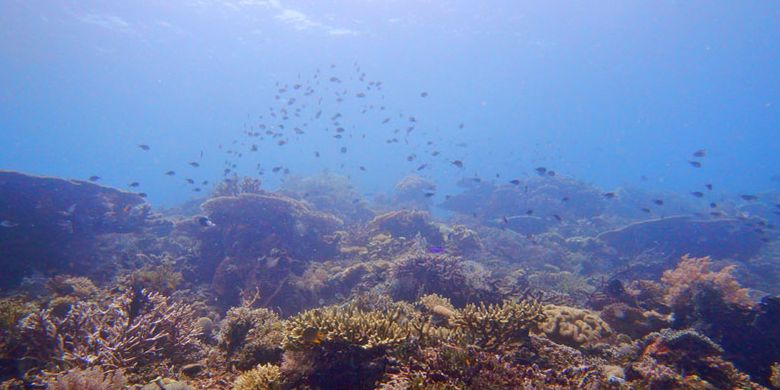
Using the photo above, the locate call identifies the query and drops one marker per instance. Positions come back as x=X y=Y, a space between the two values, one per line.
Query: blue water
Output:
x=605 y=92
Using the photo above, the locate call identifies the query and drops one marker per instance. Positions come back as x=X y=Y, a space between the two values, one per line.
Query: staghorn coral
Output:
x=571 y=326
x=497 y=327
x=691 y=272
x=251 y=336
x=136 y=331
x=262 y=377
x=86 y=379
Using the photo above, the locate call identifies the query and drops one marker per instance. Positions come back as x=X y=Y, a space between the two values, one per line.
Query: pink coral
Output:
x=694 y=271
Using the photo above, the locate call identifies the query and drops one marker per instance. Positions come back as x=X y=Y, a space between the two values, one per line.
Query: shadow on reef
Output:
x=300 y=289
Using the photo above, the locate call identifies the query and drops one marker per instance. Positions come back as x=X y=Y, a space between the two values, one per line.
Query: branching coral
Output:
x=692 y=272
x=497 y=327
x=77 y=286
x=160 y=278
x=251 y=336
x=135 y=331
x=345 y=325
x=573 y=327
x=262 y=377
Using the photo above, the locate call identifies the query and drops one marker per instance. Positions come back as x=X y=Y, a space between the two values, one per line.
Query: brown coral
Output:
x=251 y=336
x=692 y=272
x=497 y=327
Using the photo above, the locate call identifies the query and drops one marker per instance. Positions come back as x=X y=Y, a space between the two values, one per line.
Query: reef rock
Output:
x=49 y=224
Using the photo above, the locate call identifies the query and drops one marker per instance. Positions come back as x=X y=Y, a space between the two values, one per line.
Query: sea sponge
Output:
x=573 y=327
x=262 y=377
x=251 y=336
x=693 y=272
x=497 y=327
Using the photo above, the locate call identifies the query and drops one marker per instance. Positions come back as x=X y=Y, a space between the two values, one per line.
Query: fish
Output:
x=700 y=153
x=645 y=209
x=458 y=163
x=515 y=182
x=609 y=195
x=565 y=199
x=312 y=335
x=424 y=94
x=694 y=163
x=343 y=149
x=94 y=178
x=713 y=205
x=196 y=189
x=194 y=164
x=557 y=217
x=386 y=120
x=317 y=154
x=276 y=169
x=205 y=221
x=541 y=171
x=435 y=249
x=697 y=194
x=421 y=167
x=748 y=198
x=551 y=173
x=429 y=194
x=658 y=202
x=170 y=173
x=190 y=181
x=362 y=168
x=8 y=224
x=142 y=194
x=529 y=212
x=708 y=186
x=204 y=182
x=144 y=147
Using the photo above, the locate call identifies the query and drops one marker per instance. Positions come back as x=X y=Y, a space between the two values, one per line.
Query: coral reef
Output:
x=250 y=337
x=691 y=272
x=408 y=224
x=136 y=331
x=86 y=379
x=498 y=327
x=330 y=193
x=410 y=193
x=571 y=326
x=262 y=377
x=633 y=321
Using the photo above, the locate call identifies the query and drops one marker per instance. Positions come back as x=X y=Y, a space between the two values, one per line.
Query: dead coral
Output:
x=573 y=327
x=251 y=336
x=691 y=272
x=135 y=331
x=86 y=379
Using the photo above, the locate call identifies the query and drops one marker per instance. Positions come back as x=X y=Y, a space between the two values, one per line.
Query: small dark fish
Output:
x=94 y=178
x=362 y=168
x=335 y=80
x=695 y=164
x=421 y=167
x=700 y=153
x=645 y=209
x=557 y=217
x=429 y=194
x=460 y=126
x=713 y=205
x=424 y=94
x=551 y=173
x=170 y=173
x=194 y=164
x=541 y=171
x=144 y=147
x=204 y=182
x=658 y=202
x=254 y=148
x=515 y=182
x=276 y=169
x=565 y=199
x=749 y=198
x=317 y=154
x=609 y=195
x=343 y=149
x=134 y=184
x=386 y=120
x=435 y=153
x=708 y=186
x=529 y=212
x=190 y=181
x=697 y=194
x=205 y=221
x=505 y=219
x=142 y=194
x=281 y=142
x=458 y=163
x=196 y=189
x=360 y=95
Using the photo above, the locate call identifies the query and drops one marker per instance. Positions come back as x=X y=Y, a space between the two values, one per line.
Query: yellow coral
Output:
x=334 y=324
x=692 y=271
x=573 y=327
x=262 y=377
x=497 y=327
